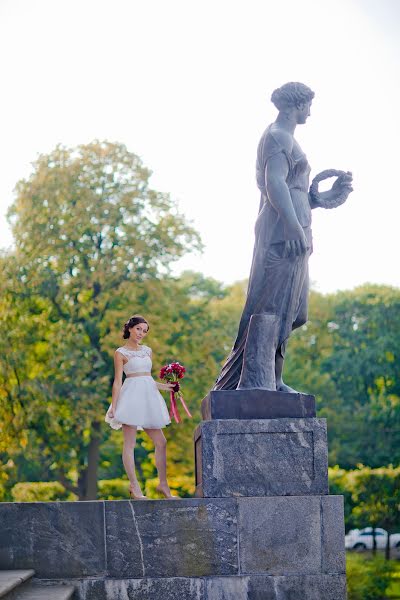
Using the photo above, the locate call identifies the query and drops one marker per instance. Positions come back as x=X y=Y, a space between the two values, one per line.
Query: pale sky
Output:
x=186 y=86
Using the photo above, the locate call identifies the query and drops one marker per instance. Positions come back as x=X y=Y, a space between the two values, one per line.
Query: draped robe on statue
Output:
x=277 y=285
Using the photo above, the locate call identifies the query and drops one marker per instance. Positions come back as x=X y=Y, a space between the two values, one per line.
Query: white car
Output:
x=361 y=539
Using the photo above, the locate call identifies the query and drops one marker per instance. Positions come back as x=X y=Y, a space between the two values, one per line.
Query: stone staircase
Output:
x=18 y=585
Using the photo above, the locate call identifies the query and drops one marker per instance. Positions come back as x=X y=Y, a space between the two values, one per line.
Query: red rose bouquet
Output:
x=171 y=374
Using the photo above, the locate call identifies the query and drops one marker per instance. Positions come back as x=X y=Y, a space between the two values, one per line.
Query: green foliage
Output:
x=376 y=494
x=371 y=497
x=368 y=578
x=40 y=491
x=108 y=489
x=376 y=497
x=364 y=366
x=113 y=489
x=180 y=485
x=339 y=484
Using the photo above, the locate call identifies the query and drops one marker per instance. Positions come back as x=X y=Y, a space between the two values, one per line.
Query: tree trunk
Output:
x=87 y=482
x=90 y=493
x=387 y=549
x=374 y=541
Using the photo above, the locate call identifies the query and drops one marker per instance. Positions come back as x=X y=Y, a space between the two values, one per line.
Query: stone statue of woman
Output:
x=278 y=284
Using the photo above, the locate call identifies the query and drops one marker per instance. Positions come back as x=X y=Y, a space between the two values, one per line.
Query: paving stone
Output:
x=12 y=578
x=38 y=591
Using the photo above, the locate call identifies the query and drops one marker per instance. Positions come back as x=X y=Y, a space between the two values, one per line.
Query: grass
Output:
x=394 y=588
x=360 y=577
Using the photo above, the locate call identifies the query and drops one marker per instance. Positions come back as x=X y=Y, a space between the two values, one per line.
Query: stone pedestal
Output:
x=264 y=457
x=268 y=450
x=256 y=404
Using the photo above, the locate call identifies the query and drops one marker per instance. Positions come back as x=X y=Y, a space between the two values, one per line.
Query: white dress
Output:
x=139 y=401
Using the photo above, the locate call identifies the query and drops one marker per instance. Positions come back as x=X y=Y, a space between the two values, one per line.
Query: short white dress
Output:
x=139 y=401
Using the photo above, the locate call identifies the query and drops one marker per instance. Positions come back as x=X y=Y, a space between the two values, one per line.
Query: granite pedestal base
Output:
x=265 y=457
x=275 y=548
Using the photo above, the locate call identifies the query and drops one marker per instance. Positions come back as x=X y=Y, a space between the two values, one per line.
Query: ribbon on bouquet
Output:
x=173 y=411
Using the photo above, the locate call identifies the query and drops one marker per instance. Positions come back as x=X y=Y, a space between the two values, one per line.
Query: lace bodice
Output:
x=139 y=361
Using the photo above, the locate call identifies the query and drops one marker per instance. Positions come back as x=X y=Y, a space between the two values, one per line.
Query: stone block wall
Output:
x=200 y=549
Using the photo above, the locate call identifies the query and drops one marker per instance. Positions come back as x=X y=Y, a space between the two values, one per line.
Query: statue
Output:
x=277 y=296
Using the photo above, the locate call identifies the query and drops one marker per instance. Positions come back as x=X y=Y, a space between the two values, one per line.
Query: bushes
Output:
x=113 y=489
x=40 y=491
x=182 y=486
x=108 y=489
x=368 y=578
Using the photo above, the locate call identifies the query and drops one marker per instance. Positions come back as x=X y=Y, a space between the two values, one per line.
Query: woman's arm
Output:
x=165 y=386
x=116 y=388
x=276 y=172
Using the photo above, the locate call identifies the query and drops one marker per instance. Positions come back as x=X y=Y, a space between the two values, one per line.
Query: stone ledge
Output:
x=255 y=587
x=191 y=538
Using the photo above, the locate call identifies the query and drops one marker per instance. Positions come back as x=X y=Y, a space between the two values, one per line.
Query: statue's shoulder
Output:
x=273 y=141
x=279 y=138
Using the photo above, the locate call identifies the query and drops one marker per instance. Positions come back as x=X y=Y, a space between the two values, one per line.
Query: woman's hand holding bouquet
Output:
x=171 y=373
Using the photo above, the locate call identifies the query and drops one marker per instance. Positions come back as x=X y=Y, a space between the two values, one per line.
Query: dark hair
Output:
x=291 y=95
x=134 y=320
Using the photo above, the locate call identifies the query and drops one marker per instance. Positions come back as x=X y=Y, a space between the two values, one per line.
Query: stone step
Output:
x=10 y=579
x=39 y=591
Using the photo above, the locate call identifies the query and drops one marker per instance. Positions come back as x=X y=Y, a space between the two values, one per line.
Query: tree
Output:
x=87 y=227
x=364 y=366
x=376 y=498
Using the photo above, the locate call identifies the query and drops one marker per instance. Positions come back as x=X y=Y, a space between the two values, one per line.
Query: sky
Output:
x=186 y=85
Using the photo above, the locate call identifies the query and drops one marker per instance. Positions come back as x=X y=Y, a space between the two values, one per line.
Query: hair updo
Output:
x=134 y=320
x=291 y=95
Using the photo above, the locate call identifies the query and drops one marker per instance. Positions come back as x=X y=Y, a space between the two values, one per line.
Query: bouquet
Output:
x=171 y=373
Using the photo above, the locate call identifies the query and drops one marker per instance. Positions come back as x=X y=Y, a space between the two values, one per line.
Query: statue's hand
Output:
x=342 y=187
x=295 y=240
x=338 y=193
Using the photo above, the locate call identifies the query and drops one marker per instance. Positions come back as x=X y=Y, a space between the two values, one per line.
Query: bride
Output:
x=137 y=404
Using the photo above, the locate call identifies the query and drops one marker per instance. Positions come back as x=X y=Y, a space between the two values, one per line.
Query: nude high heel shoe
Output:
x=133 y=496
x=160 y=489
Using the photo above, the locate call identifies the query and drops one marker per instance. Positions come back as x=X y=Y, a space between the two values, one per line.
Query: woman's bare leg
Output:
x=160 y=445
x=128 y=458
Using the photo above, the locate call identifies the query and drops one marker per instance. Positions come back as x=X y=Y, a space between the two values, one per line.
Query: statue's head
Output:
x=293 y=96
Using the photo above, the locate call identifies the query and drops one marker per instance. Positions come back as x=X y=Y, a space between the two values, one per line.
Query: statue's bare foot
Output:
x=282 y=387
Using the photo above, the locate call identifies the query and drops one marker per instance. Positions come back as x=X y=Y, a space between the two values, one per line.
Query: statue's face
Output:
x=303 y=112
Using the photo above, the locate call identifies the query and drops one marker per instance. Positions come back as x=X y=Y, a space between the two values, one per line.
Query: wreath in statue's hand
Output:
x=337 y=194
